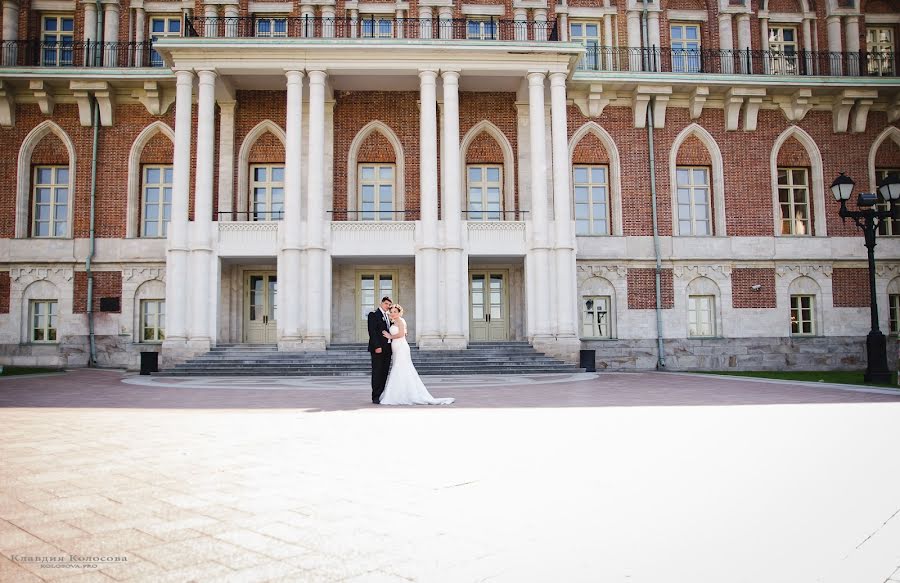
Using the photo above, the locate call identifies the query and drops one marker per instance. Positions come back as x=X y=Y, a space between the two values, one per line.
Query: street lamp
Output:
x=868 y=218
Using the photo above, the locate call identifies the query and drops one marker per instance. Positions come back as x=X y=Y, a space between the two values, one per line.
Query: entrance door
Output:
x=488 y=301
x=261 y=307
x=371 y=286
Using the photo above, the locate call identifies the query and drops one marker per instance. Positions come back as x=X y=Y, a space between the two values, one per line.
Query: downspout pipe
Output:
x=95 y=122
x=651 y=160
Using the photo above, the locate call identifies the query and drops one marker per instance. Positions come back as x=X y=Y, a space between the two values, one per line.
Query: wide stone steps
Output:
x=354 y=360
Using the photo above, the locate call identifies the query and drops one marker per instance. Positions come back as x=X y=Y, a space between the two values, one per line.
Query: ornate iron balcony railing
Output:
x=746 y=62
x=376 y=27
x=35 y=53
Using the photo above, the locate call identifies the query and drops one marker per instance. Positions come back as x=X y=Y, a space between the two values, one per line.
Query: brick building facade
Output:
x=265 y=171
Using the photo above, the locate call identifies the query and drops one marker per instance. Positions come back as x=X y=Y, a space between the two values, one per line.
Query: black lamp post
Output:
x=868 y=218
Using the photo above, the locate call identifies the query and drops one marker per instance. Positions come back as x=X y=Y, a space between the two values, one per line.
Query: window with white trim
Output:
x=376 y=192
x=153 y=320
x=701 y=316
x=156 y=201
x=57 y=38
x=484 y=188
x=481 y=28
x=43 y=320
x=793 y=199
x=162 y=27
x=376 y=26
x=591 y=196
x=595 y=317
x=880 y=50
x=692 y=194
x=50 y=212
x=685 y=43
x=783 y=50
x=886 y=227
x=267 y=192
x=271 y=26
x=587 y=32
x=894 y=314
x=803 y=322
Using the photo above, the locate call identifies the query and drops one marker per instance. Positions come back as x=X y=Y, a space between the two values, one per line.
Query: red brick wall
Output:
x=693 y=152
x=4 y=292
x=792 y=153
x=590 y=150
x=500 y=110
x=159 y=150
x=642 y=288
x=744 y=297
x=888 y=155
x=252 y=108
x=850 y=287
x=268 y=149
x=484 y=149
x=782 y=6
x=376 y=148
x=106 y=284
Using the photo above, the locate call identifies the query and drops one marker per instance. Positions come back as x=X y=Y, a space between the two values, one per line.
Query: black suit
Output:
x=381 y=363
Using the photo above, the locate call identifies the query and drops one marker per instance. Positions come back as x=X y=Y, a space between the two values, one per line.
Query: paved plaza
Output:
x=611 y=477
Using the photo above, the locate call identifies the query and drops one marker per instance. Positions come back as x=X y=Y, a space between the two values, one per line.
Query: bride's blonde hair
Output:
x=397 y=307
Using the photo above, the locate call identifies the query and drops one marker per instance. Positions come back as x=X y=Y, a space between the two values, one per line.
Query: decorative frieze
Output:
x=809 y=270
x=29 y=274
x=141 y=274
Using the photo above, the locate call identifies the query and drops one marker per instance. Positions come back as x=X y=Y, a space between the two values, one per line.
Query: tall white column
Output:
x=111 y=33
x=808 y=46
x=291 y=305
x=851 y=29
x=140 y=24
x=564 y=253
x=211 y=24
x=834 y=43
x=201 y=231
x=327 y=21
x=455 y=260
x=226 y=161
x=764 y=42
x=90 y=19
x=539 y=271
x=425 y=29
x=232 y=12
x=177 y=282
x=635 y=59
x=744 y=42
x=726 y=43
x=315 y=195
x=520 y=22
x=445 y=22
x=427 y=256
x=10 y=30
x=653 y=40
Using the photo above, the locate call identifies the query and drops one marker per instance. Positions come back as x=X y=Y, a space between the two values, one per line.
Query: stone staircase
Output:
x=354 y=360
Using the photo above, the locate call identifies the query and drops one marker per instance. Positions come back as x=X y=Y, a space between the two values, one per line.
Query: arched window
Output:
x=261 y=162
x=798 y=191
x=703 y=308
x=598 y=308
x=488 y=174
x=40 y=310
x=45 y=183
x=697 y=184
x=805 y=307
x=884 y=159
x=596 y=187
x=150 y=182
x=376 y=176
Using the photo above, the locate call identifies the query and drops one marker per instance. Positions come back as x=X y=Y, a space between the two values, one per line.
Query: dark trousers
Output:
x=381 y=365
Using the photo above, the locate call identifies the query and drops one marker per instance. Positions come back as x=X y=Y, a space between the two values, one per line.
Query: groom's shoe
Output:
x=376 y=402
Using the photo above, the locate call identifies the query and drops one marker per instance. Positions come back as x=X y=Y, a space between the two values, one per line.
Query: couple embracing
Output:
x=394 y=378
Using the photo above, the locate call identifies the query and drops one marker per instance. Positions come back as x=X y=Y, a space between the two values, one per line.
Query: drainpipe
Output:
x=651 y=160
x=95 y=122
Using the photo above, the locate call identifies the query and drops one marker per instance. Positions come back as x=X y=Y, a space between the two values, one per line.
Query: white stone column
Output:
x=564 y=252
x=90 y=19
x=808 y=46
x=834 y=44
x=538 y=249
x=726 y=43
x=400 y=24
x=653 y=40
x=425 y=30
x=177 y=281
x=563 y=23
x=609 y=56
x=445 y=22
x=455 y=259
x=540 y=24
x=635 y=46
x=211 y=23
x=226 y=161
x=317 y=297
x=852 y=32
x=354 y=23
x=520 y=22
x=427 y=255
x=744 y=43
x=111 y=33
x=307 y=21
x=328 y=22
x=232 y=12
x=11 y=31
x=140 y=25
x=201 y=229
x=291 y=304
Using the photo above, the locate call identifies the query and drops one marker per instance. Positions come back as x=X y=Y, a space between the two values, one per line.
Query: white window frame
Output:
x=55 y=186
x=481 y=31
x=783 y=53
x=592 y=43
x=485 y=213
x=881 y=52
x=796 y=315
x=49 y=317
x=701 y=316
x=272 y=20
x=593 y=324
x=688 y=60
x=886 y=227
x=894 y=314
x=791 y=190
x=270 y=187
x=376 y=21
x=156 y=59
x=691 y=188
x=163 y=201
x=60 y=50
x=591 y=187
x=152 y=320
x=376 y=182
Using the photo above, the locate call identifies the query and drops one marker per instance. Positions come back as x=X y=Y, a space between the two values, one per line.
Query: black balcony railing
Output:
x=35 y=53
x=371 y=28
x=729 y=62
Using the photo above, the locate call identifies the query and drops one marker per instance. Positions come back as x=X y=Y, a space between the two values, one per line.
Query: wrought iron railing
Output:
x=376 y=27
x=35 y=53
x=674 y=60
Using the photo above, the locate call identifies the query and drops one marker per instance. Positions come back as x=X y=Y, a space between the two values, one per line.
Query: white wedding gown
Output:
x=404 y=387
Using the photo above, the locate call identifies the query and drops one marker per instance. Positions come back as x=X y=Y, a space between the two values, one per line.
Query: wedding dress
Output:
x=404 y=387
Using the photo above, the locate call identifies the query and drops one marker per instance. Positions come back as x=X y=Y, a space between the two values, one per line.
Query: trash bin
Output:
x=588 y=360
x=149 y=362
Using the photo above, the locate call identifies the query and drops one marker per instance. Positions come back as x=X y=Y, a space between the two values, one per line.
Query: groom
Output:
x=380 y=347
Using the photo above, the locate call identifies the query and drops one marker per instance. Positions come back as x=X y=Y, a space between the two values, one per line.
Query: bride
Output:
x=404 y=387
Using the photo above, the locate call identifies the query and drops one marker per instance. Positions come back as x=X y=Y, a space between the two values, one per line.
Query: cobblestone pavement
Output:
x=644 y=477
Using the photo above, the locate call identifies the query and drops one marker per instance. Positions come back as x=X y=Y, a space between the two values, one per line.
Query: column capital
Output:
x=294 y=72
x=316 y=75
x=536 y=77
x=850 y=18
x=558 y=79
x=428 y=75
x=834 y=18
x=184 y=76
x=207 y=76
x=450 y=76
